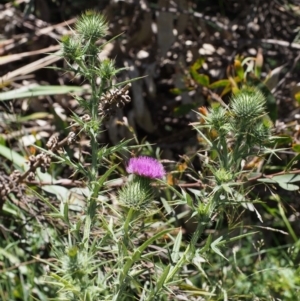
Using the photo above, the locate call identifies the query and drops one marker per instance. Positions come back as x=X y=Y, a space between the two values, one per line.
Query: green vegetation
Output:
x=86 y=220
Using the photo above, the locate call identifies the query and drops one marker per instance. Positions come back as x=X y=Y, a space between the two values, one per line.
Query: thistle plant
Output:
x=81 y=52
x=77 y=265
x=232 y=136
x=102 y=266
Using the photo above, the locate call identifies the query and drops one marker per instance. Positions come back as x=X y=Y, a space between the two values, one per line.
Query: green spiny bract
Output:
x=218 y=119
x=248 y=105
x=223 y=176
x=250 y=125
x=72 y=48
x=107 y=69
x=91 y=26
x=137 y=194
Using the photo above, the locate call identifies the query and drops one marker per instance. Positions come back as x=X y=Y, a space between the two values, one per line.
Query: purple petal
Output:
x=146 y=167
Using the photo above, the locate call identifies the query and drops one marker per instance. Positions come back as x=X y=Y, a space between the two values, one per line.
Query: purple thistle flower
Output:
x=146 y=167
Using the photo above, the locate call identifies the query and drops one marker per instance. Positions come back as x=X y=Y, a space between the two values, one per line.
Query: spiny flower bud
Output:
x=107 y=69
x=218 y=118
x=72 y=48
x=138 y=194
x=91 y=26
x=248 y=105
x=223 y=176
x=261 y=132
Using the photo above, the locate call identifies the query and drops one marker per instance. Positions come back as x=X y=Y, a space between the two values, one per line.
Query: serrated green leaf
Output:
x=283 y=181
x=201 y=79
x=59 y=191
x=138 y=253
x=103 y=177
x=176 y=248
x=195 y=291
x=232 y=239
x=239 y=69
x=14 y=260
x=287 y=178
x=266 y=180
x=66 y=212
x=283 y=139
x=161 y=281
x=214 y=247
x=188 y=199
x=292 y=162
x=290 y=187
x=207 y=244
x=227 y=188
x=198 y=64
x=34 y=116
x=272 y=79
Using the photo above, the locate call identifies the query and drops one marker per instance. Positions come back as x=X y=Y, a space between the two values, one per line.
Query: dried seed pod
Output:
x=31 y=176
x=113 y=100
x=32 y=159
x=43 y=169
x=15 y=175
x=86 y=118
x=5 y=190
x=71 y=138
x=52 y=142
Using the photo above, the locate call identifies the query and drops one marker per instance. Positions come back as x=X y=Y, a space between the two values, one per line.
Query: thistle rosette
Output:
x=138 y=193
